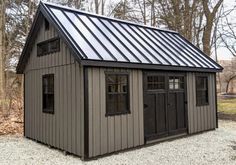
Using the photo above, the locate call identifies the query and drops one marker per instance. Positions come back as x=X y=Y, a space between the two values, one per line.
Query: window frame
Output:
x=198 y=103
x=43 y=43
x=128 y=93
x=47 y=110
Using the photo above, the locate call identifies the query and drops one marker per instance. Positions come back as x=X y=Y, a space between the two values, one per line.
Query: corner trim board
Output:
x=24 y=105
x=216 y=102
x=86 y=115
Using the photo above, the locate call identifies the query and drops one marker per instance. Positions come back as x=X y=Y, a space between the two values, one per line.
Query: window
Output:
x=117 y=94
x=176 y=83
x=46 y=25
x=49 y=46
x=155 y=82
x=48 y=93
x=201 y=90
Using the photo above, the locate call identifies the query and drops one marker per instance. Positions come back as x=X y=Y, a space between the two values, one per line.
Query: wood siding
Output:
x=114 y=133
x=64 y=128
x=63 y=57
x=201 y=118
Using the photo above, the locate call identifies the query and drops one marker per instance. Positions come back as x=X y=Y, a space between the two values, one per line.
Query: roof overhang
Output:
x=95 y=63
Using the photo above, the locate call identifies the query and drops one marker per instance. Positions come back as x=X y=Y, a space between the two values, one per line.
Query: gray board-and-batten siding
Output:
x=65 y=128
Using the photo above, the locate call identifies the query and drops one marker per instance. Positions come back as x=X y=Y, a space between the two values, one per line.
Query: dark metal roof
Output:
x=101 y=41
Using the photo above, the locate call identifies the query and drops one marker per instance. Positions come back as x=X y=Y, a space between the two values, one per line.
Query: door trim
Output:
x=166 y=74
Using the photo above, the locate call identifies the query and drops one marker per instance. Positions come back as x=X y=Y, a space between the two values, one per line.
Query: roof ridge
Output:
x=106 y=17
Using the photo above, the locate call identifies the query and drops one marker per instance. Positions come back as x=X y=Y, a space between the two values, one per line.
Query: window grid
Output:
x=48 y=93
x=48 y=46
x=155 y=82
x=202 y=91
x=117 y=97
x=176 y=83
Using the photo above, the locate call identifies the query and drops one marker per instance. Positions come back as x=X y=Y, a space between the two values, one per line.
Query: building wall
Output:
x=203 y=117
x=64 y=128
x=113 y=133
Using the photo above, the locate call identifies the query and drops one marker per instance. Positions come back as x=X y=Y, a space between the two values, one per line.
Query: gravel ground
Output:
x=213 y=147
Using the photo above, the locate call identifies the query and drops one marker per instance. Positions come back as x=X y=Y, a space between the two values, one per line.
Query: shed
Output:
x=96 y=85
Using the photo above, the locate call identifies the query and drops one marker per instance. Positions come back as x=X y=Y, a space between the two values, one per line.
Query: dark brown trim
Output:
x=45 y=110
x=86 y=114
x=49 y=40
x=24 y=103
x=98 y=63
x=128 y=92
x=57 y=39
x=186 y=101
x=208 y=85
x=216 y=101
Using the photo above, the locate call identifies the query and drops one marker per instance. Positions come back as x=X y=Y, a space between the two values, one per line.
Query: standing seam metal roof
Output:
x=97 y=38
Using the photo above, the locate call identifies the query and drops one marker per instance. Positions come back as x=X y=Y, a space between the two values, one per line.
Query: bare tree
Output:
x=2 y=49
x=229 y=73
x=210 y=18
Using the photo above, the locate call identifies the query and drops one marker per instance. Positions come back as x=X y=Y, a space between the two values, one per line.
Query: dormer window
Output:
x=48 y=46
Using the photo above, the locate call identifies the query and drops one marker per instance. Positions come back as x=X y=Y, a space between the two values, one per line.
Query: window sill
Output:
x=202 y=105
x=117 y=114
x=49 y=111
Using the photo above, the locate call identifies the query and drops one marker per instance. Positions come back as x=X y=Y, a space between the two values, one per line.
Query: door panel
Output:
x=150 y=114
x=161 y=113
x=164 y=105
x=181 y=110
x=172 y=112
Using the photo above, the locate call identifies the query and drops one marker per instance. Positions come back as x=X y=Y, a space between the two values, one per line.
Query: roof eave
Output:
x=96 y=63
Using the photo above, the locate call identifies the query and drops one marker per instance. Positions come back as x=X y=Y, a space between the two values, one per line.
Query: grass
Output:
x=227 y=106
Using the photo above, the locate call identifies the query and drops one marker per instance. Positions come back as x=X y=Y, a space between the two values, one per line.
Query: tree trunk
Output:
x=96 y=6
x=2 y=49
x=227 y=87
x=210 y=16
x=102 y=7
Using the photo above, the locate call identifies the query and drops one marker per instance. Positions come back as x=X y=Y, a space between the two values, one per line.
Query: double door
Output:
x=164 y=104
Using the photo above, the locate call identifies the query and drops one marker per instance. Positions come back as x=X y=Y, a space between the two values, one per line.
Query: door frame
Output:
x=166 y=74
